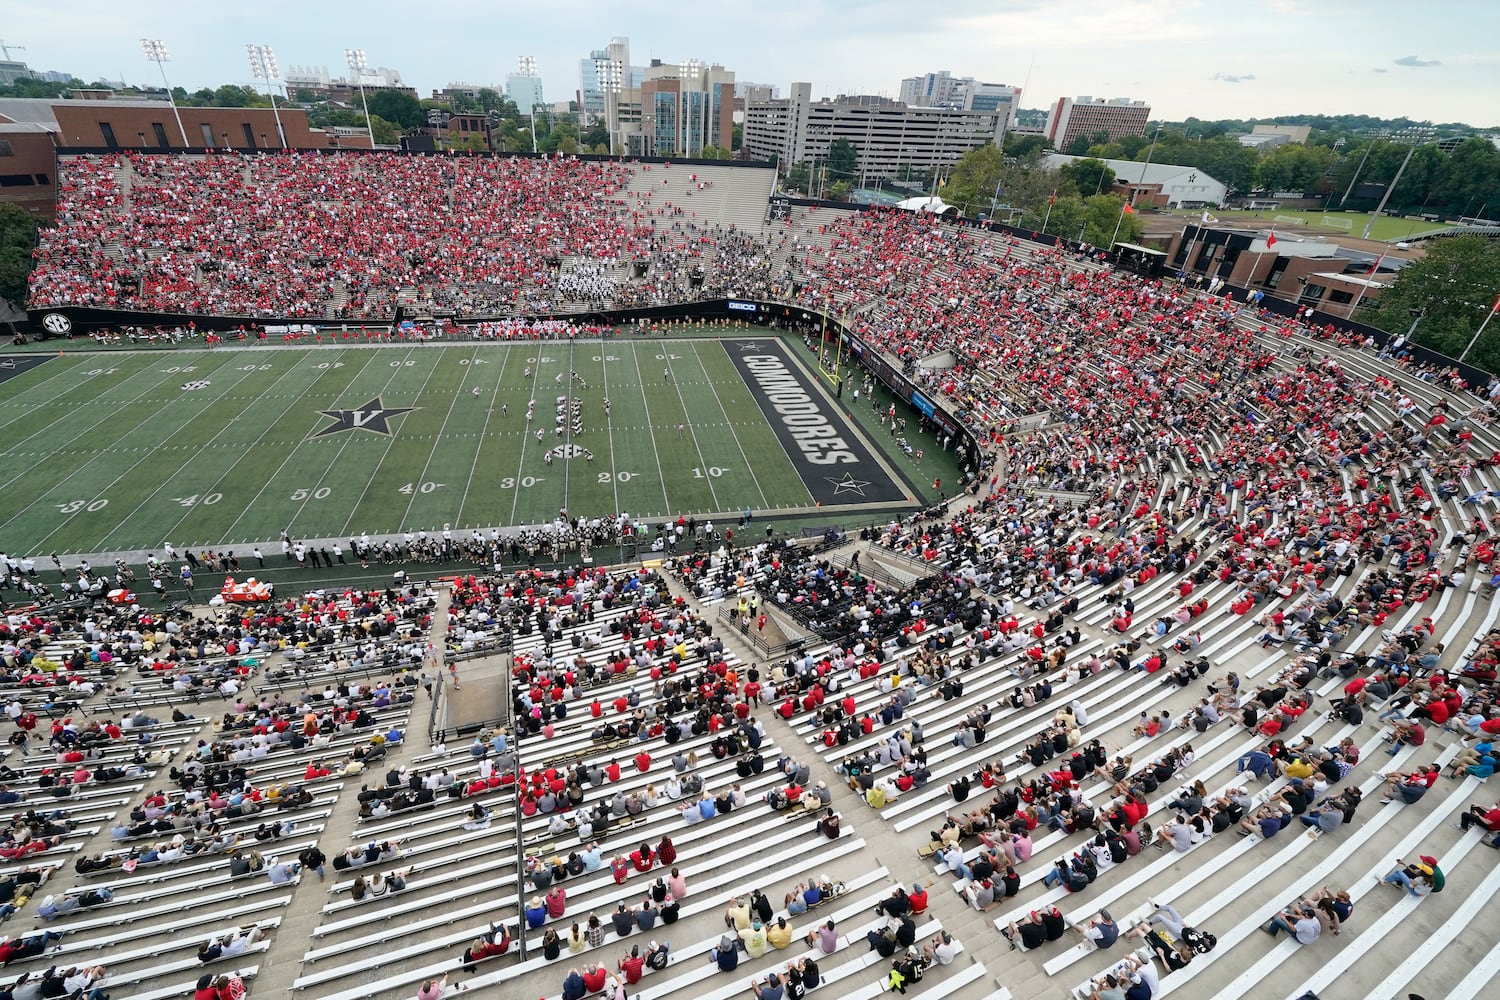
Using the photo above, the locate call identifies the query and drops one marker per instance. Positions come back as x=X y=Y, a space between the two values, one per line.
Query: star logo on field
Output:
x=748 y=345
x=848 y=484
x=374 y=417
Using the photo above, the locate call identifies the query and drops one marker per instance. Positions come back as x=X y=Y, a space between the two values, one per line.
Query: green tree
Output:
x=304 y=96
x=596 y=135
x=1452 y=289
x=737 y=137
x=397 y=107
x=1088 y=176
x=386 y=133
x=488 y=99
x=18 y=229
x=715 y=153
x=798 y=178
x=1077 y=146
x=1102 y=214
x=839 y=190
x=1064 y=218
x=1294 y=167
x=842 y=162
x=1025 y=147
x=1470 y=179
x=232 y=96
x=975 y=177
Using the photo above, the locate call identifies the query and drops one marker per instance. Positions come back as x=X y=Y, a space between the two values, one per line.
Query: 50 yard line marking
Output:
x=353 y=377
x=494 y=398
x=661 y=477
x=748 y=468
x=417 y=491
x=396 y=370
x=567 y=462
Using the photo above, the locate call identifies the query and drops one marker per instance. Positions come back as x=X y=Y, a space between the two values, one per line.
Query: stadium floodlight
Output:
x=357 y=65
x=527 y=65
x=611 y=77
x=263 y=67
x=691 y=69
x=156 y=51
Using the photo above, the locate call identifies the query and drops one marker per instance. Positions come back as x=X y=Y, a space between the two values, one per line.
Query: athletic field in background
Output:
x=120 y=451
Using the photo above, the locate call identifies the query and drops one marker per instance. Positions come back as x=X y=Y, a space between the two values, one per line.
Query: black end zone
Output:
x=12 y=365
x=833 y=462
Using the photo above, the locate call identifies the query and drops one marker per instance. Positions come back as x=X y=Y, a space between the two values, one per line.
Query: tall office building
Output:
x=890 y=139
x=685 y=108
x=1086 y=117
x=524 y=86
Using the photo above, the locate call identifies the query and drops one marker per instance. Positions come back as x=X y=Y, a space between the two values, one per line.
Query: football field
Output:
x=123 y=451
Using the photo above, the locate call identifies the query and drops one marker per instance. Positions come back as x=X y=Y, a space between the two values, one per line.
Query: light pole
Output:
x=156 y=51
x=1388 y=192
x=357 y=63
x=263 y=67
x=1149 y=153
x=610 y=76
x=690 y=72
x=1477 y=333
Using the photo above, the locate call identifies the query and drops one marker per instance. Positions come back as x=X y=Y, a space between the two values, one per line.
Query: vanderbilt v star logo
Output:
x=372 y=417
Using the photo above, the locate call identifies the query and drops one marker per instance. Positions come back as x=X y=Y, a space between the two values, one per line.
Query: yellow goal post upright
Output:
x=832 y=373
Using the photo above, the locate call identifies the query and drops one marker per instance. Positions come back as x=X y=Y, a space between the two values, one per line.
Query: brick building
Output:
x=1086 y=117
x=31 y=129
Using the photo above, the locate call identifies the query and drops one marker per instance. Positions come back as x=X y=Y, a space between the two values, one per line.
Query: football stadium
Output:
x=564 y=576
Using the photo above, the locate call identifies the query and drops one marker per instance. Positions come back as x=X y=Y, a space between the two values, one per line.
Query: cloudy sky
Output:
x=1205 y=58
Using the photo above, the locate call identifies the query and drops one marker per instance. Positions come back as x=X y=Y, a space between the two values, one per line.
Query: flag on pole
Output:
x=1208 y=218
x=1128 y=209
x=1376 y=266
x=1271 y=239
x=1052 y=200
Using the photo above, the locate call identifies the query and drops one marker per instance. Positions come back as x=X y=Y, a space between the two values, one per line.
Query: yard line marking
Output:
x=344 y=444
x=530 y=405
x=567 y=462
x=109 y=412
x=696 y=446
x=728 y=423
x=635 y=356
x=19 y=400
x=609 y=430
x=353 y=377
x=417 y=488
x=97 y=454
x=489 y=413
x=166 y=480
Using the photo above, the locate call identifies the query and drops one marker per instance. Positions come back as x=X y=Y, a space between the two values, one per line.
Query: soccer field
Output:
x=120 y=452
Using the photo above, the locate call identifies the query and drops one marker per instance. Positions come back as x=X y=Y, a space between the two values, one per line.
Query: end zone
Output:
x=833 y=461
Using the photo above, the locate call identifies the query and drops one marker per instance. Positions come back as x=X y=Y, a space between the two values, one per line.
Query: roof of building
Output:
x=927 y=203
x=1353 y=279
x=1133 y=172
x=41 y=109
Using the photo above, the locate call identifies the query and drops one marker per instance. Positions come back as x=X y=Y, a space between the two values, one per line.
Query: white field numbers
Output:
x=525 y=482
x=617 y=477
x=206 y=500
x=411 y=488
x=321 y=493
x=78 y=506
x=712 y=472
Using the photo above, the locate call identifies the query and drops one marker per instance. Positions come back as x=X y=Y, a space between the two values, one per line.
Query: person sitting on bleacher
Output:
x=495 y=941
x=726 y=954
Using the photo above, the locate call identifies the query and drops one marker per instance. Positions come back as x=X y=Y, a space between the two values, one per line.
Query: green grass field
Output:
x=1386 y=227
x=121 y=451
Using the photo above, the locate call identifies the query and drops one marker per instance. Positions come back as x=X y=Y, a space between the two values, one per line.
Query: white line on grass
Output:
x=609 y=428
x=483 y=431
x=19 y=400
x=568 y=416
x=656 y=454
x=108 y=413
x=97 y=455
x=728 y=423
x=536 y=371
x=389 y=440
x=666 y=360
x=166 y=480
x=291 y=450
x=417 y=486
